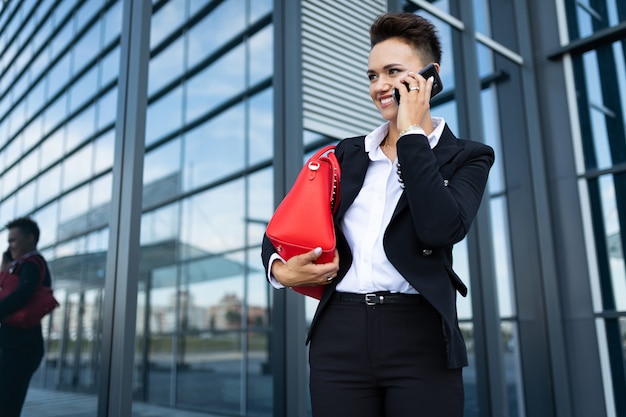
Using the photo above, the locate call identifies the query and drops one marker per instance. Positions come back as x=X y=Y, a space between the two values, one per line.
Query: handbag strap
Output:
x=327 y=153
x=34 y=258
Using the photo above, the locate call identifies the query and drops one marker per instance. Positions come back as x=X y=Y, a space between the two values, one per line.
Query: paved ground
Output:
x=46 y=403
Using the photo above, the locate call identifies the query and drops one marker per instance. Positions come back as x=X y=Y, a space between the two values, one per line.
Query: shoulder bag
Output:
x=303 y=221
x=42 y=302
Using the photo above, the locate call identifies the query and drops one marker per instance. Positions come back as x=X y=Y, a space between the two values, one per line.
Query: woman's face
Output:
x=389 y=61
x=20 y=243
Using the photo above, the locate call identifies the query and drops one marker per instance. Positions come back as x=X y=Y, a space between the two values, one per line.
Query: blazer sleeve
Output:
x=443 y=200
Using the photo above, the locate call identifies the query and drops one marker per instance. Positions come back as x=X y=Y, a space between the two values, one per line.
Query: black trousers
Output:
x=382 y=361
x=17 y=366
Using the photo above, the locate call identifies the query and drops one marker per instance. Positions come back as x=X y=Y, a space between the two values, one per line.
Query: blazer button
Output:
x=427 y=252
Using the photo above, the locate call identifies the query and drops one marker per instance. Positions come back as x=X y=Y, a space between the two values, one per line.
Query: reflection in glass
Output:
x=612 y=234
x=214 y=149
x=164 y=115
x=502 y=257
x=166 y=66
x=512 y=368
x=470 y=380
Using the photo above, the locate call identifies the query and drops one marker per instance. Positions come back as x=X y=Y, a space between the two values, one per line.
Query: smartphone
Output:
x=428 y=71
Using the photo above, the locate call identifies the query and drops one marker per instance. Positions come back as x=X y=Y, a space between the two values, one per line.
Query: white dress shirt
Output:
x=367 y=218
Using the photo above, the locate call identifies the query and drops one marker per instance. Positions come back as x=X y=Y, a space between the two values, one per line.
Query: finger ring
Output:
x=330 y=278
x=414 y=88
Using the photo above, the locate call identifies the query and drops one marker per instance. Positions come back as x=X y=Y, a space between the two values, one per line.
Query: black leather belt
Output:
x=378 y=298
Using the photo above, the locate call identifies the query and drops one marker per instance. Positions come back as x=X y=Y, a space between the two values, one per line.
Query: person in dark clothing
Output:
x=21 y=349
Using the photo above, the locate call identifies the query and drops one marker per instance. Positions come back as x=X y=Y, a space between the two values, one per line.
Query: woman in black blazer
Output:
x=384 y=341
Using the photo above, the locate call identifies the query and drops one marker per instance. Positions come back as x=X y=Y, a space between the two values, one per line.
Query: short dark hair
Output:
x=26 y=225
x=413 y=29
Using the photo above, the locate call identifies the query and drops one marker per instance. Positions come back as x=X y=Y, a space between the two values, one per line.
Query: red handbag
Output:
x=42 y=302
x=303 y=221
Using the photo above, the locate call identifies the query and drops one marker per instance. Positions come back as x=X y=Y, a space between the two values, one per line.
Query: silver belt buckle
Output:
x=368 y=299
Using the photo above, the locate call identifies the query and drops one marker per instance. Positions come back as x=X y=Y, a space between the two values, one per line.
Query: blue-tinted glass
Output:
x=55 y=113
x=164 y=116
x=59 y=75
x=110 y=67
x=215 y=30
x=107 y=109
x=77 y=167
x=86 y=49
x=80 y=128
x=213 y=221
x=84 y=89
x=49 y=185
x=166 y=66
x=166 y=20
x=52 y=148
x=259 y=8
x=29 y=165
x=261 y=55
x=470 y=380
x=62 y=39
x=216 y=84
x=73 y=205
x=87 y=11
x=160 y=225
x=47 y=219
x=104 y=150
x=162 y=162
x=502 y=255
x=32 y=133
x=25 y=199
x=112 y=23
x=214 y=149
x=261 y=126
x=512 y=368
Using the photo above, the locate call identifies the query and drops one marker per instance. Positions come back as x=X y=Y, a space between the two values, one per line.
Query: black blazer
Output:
x=443 y=190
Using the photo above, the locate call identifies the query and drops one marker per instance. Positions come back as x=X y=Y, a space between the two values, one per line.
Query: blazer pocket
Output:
x=457 y=283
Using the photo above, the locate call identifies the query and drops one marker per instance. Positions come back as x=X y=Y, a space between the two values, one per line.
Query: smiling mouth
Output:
x=386 y=100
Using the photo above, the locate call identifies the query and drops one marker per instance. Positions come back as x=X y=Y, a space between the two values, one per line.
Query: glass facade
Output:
x=545 y=319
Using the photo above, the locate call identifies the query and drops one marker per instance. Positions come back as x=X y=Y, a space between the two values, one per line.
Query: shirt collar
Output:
x=376 y=136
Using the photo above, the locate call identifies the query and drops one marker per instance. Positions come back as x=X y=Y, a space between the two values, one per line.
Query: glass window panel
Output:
x=87 y=11
x=49 y=185
x=261 y=127
x=107 y=109
x=223 y=24
x=110 y=67
x=213 y=221
x=502 y=257
x=104 y=151
x=84 y=89
x=77 y=168
x=80 y=128
x=214 y=149
x=29 y=166
x=512 y=368
x=25 y=199
x=461 y=267
x=160 y=225
x=259 y=8
x=52 y=148
x=166 y=66
x=261 y=55
x=55 y=113
x=166 y=20
x=612 y=230
x=596 y=112
x=87 y=48
x=47 y=219
x=10 y=180
x=112 y=23
x=59 y=75
x=32 y=133
x=216 y=84
x=13 y=150
x=40 y=64
x=491 y=129
x=470 y=380
x=101 y=189
x=7 y=210
x=73 y=205
x=260 y=203
x=164 y=116
x=162 y=162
